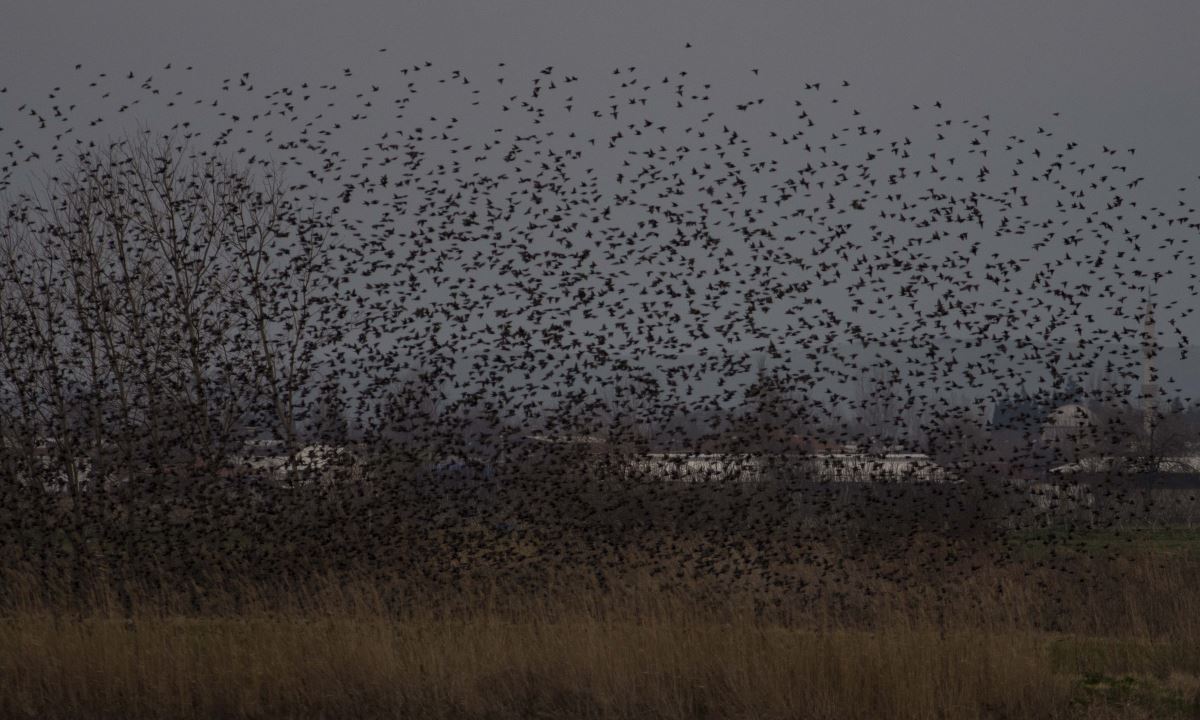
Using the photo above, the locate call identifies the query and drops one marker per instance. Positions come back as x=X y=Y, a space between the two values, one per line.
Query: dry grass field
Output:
x=1115 y=637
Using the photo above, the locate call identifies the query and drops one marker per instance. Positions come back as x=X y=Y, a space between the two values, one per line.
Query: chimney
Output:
x=1149 y=369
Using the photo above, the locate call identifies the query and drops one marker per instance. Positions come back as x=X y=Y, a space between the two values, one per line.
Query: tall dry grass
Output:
x=304 y=666
x=740 y=603
x=342 y=649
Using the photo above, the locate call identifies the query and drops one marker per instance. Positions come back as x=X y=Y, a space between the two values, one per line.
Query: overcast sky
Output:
x=1119 y=74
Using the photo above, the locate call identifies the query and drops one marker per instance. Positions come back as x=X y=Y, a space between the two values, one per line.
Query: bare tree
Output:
x=138 y=288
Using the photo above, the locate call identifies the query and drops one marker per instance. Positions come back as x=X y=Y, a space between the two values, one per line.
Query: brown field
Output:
x=679 y=603
x=1119 y=640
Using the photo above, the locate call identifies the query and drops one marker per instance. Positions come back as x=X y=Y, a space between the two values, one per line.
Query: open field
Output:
x=348 y=666
x=1114 y=636
x=581 y=600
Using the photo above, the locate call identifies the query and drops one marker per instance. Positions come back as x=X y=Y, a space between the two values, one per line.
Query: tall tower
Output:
x=1149 y=368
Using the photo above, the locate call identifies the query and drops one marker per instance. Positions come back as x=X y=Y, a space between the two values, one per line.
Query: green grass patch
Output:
x=1172 y=541
x=1171 y=697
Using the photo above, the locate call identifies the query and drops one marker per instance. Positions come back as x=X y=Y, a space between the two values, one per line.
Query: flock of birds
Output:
x=639 y=256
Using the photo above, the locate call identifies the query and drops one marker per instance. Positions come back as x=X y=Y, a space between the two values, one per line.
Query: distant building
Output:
x=1063 y=419
x=269 y=459
x=696 y=467
x=1176 y=465
x=1070 y=427
x=566 y=439
x=870 y=467
x=849 y=466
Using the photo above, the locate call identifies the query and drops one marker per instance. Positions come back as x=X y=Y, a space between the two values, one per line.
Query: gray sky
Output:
x=1119 y=74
